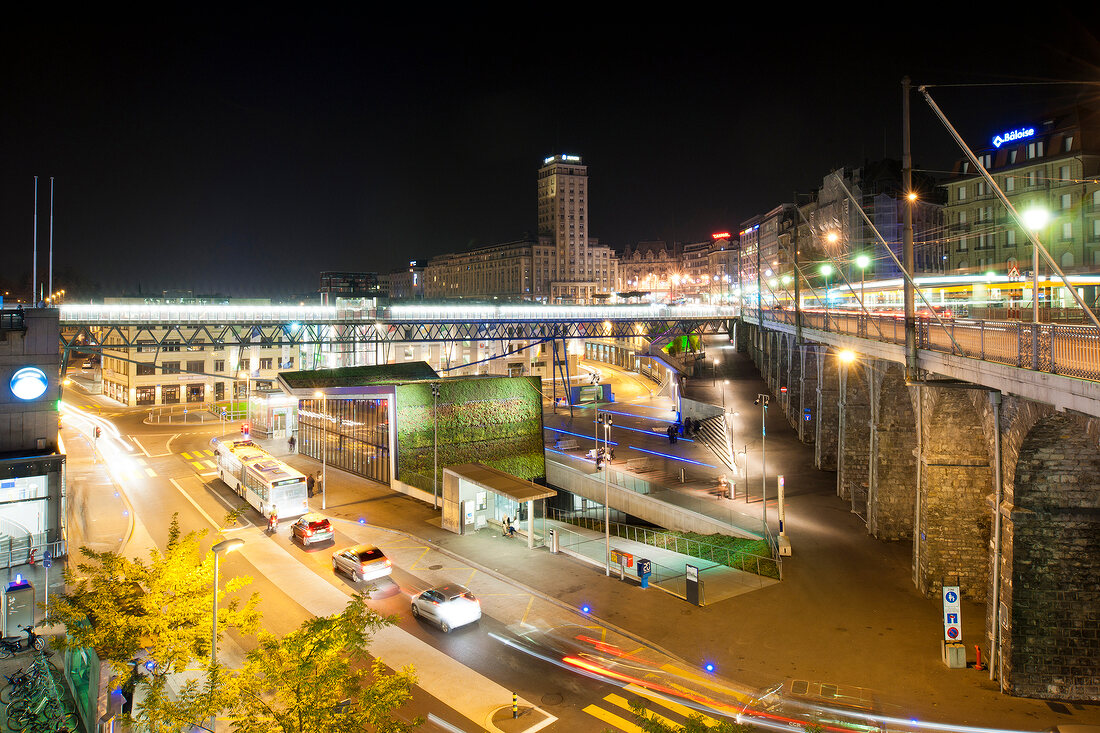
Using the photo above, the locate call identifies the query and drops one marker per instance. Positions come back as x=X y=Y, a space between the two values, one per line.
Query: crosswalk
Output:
x=200 y=459
x=614 y=710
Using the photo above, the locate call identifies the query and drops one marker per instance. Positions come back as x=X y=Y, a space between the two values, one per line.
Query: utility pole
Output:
x=907 y=238
x=435 y=447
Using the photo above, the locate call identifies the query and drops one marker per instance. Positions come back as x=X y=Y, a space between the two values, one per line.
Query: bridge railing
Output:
x=1056 y=348
x=419 y=313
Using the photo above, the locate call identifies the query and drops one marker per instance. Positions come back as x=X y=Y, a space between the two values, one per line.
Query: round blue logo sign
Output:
x=29 y=383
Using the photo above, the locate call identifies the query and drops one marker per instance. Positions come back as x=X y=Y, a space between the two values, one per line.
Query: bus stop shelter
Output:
x=475 y=495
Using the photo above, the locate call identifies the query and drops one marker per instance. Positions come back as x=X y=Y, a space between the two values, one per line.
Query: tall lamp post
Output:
x=222 y=548
x=435 y=446
x=323 y=396
x=826 y=270
x=762 y=400
x=733 y=442
x=862 y=261
x=247 y=376
x=606 y=420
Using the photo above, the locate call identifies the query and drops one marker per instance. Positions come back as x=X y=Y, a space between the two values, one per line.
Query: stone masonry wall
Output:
x=894 y=472
x=954 y=523
x=827 y=417
x=1051 y=644
x=853 y=481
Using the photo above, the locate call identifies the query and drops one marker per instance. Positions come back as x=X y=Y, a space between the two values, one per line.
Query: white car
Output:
x=450 y=606
x=362 y=562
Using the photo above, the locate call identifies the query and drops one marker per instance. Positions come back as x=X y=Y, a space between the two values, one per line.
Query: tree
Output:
x=319 y=678
x=124 y=608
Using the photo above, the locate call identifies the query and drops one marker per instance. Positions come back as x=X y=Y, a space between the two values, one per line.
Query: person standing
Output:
x=310 y=482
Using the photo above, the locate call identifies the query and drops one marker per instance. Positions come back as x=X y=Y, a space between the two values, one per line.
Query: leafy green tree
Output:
x=125 y=608
x=319 y=678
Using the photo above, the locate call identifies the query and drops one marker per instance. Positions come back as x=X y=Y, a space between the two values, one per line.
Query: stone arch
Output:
x=893 y=496
x=956 y=477
x=1051 y=562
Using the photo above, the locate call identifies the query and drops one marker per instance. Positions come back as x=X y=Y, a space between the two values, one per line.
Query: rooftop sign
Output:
x=1007 y=137
x=562 y=158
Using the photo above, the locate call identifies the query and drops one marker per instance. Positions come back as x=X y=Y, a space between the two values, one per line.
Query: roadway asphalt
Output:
x=846 y=612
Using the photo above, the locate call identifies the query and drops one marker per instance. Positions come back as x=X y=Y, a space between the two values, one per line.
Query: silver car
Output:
x=450 y=606
x=361 y=562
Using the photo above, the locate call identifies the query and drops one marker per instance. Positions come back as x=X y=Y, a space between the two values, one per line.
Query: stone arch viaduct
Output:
x=918 y=463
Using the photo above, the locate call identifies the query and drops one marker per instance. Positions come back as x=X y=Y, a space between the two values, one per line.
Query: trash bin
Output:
x=553 y=541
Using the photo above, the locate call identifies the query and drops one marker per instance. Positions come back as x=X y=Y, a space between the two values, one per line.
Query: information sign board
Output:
x=952 y=613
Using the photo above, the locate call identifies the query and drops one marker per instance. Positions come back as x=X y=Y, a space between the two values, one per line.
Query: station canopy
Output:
x=501 y=483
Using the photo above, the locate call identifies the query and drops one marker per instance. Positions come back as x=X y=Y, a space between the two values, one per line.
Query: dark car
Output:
x=312 y=528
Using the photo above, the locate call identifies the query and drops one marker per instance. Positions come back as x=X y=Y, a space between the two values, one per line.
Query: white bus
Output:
x=261 y=480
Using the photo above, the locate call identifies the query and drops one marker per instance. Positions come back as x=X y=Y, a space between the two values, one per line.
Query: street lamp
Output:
x=827 y=270
x=222 y=548
x=862 y=261
x=1035 y=219
x=247 y=376
x=324 y=448
x=762 y=400
x=606 y=420
x=435 y=445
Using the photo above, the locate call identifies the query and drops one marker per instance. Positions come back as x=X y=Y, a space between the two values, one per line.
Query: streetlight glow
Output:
x=847 y=356
x=1035 y=218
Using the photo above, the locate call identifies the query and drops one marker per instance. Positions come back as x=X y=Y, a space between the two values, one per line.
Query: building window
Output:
x=1067 y=231
x=962 y=193
x=219 y=365
x=1033 y=178
x=145 y=396
x=196 y=367
x=146 y=369
x=1010 y=183
x=1012 y=156
x=170 y=367
x=1010 y=238
x=265 y=363
x=1063 y=174
x=1069 y=143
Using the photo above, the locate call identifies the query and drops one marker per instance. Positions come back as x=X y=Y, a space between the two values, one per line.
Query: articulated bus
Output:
x=261 y=480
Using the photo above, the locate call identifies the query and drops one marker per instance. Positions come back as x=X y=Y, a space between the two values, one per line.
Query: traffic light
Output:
x=244 y=428
x=98 y=431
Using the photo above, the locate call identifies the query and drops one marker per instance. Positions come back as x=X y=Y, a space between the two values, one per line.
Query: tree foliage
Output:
x=124 y=608
x=319 y=678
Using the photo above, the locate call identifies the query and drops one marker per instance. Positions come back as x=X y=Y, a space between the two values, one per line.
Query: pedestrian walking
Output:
x=291 y=443
x=310 y=482
x=273 y=520
x=671 y=432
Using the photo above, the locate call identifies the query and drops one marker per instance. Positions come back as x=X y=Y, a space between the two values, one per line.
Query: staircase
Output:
x=712 y=433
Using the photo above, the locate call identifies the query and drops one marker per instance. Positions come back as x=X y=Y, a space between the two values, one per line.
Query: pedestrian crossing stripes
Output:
x=614 y=710
x=196 y=454
x=202 y=465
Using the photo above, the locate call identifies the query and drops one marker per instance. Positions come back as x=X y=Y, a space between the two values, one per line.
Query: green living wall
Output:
x=492 y=420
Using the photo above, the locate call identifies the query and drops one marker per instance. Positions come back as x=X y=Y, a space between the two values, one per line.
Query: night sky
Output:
x=245 y=162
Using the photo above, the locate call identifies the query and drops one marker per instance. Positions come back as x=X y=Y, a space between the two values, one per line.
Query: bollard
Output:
x=978 y=653
x=515 y=705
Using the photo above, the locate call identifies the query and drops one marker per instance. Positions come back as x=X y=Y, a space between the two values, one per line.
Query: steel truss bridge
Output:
x=90 y=327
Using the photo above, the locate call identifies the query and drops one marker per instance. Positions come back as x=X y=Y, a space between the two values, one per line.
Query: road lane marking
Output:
x=186 y=456
x=670 y=704
x=187 y=496
x=613 y=719
x=198 y=467
x=622 y=702
x=139 y=445
x=463 y=689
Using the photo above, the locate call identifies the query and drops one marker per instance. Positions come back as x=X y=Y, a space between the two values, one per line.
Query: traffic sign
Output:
x=47 y=559
x=952 y=613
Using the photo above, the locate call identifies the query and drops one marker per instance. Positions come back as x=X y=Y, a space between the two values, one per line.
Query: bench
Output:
x=721 y=491
x=566 y=444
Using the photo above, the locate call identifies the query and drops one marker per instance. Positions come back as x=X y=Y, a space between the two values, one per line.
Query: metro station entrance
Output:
x=476 y=496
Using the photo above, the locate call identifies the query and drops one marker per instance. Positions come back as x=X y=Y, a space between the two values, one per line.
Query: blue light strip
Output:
x=640 y=417
x=589 y=437
x=651 y=433
x=666 y=455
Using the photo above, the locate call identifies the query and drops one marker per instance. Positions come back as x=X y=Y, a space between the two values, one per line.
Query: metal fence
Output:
x=28 y=549
x=770 y=567
x=1057 y=348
